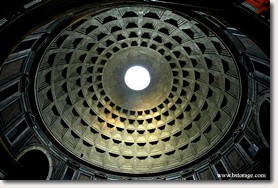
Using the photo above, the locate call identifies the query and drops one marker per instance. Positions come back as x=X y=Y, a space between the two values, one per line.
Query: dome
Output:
x=134 y=90
x=187 y=108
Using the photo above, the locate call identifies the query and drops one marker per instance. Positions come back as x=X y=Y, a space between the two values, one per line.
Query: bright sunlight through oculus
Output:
x=137 y=78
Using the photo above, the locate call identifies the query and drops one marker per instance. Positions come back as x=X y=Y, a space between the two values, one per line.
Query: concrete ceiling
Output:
x=189 y=106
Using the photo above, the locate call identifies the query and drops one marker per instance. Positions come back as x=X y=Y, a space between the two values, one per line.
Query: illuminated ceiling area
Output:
x=181 y=111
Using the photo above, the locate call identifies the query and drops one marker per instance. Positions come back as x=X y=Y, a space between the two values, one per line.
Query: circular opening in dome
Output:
x=137 y=78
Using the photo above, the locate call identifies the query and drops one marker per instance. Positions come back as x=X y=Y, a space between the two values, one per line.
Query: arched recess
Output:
x=35 y=164
x=264 y=119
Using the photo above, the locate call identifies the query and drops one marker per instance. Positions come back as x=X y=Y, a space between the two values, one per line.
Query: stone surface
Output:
x=186 y=110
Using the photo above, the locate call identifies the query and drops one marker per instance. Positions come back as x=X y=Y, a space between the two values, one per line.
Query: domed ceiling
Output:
x=189 y=105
